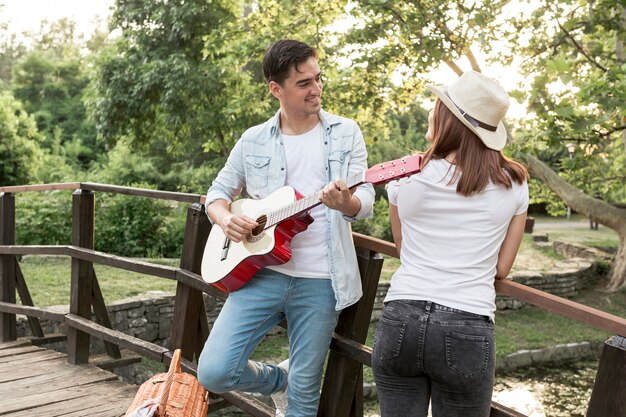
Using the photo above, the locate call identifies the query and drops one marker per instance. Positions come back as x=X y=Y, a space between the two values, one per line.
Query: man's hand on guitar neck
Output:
x=336 y=195
x=234 y=226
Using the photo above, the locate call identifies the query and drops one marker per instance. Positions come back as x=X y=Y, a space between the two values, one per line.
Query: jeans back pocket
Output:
x=468 y=355
x=388 y=339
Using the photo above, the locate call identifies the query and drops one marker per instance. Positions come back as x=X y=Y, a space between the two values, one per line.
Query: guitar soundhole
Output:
x=262 y=221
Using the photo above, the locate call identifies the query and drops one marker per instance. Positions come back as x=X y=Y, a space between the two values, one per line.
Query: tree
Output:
x=50 y=79
x=20 y=155
x=576 y=61
x=184 y=80
x=583 y=48
x=11 y=50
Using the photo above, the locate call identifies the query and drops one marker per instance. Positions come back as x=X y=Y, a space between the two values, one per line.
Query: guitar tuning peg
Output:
x=381 y=176
x=402 y=170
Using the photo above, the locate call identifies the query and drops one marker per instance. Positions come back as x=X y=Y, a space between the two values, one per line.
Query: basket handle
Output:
x=165 y=391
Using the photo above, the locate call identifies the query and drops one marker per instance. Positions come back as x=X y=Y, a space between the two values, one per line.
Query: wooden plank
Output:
x=34 y=250
x=8 y=323
x=104 y=361
x=21 y=370
x=195 y=281
x=6 y=353
x=60 y=401
x=145 y=349
x=74 y=408
x=30 y=358
x=142 y=192
x=248 y=404
x=375 y=244
x=41 y=313
x=608 y=397
x=81 y=286
x=108 y=409
x=56 y=381
x=567 y=308
x=121 y=262
x=14 y=343
x=40 y=187
x=352 y=349
x=51 y=338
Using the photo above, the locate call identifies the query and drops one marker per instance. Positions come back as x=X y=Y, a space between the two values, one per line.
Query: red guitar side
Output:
x=228 y=265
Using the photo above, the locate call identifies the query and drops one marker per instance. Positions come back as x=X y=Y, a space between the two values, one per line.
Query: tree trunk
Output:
x=601 y=211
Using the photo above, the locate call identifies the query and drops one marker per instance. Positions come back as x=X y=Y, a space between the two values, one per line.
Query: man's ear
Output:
x=275 y=89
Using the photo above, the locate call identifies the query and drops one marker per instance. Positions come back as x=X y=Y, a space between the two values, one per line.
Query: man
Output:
x=304 y=147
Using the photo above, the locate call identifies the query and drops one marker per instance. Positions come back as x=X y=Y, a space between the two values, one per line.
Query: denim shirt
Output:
x=256 y=167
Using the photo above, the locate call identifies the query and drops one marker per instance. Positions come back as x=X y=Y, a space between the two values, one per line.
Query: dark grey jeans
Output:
x=427 y=352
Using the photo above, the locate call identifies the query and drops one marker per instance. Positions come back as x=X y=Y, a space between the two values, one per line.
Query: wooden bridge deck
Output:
x=39 y=382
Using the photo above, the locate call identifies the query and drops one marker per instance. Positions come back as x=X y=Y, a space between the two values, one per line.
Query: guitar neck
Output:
x=306 y=203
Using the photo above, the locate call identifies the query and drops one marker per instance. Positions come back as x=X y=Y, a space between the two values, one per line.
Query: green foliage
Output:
x=20 y=156
x=11 y=50
x=50 y=78
x=137 y=226
x=574 y=61
x=43 y=218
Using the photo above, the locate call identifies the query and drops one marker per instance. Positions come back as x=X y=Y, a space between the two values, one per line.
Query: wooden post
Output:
x=608 y=397
x=8 y=326
x=81 y=290
x=190 y=327
x=342 y=391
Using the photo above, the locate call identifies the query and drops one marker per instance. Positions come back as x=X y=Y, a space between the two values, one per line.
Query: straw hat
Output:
x=480 y=103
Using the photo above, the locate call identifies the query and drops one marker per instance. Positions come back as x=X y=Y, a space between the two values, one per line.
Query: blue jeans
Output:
x=247 y=316
x=425 y=352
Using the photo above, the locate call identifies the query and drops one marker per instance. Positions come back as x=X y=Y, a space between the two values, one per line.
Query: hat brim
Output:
x=493 y=140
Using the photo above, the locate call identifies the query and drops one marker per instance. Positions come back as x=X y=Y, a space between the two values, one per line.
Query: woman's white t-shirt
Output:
x=450 y=242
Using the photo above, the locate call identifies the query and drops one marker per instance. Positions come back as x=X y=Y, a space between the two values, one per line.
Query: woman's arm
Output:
x=508 y=250
x=396 y=229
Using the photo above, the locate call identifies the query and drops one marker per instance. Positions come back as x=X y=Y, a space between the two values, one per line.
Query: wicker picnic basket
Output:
x=181 y=395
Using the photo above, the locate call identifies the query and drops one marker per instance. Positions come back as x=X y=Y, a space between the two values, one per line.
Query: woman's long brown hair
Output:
x=475 y=164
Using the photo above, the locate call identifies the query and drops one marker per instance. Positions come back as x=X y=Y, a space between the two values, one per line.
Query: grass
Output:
x=48 y=279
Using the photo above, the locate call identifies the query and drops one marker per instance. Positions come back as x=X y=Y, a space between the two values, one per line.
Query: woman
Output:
x=457 y=226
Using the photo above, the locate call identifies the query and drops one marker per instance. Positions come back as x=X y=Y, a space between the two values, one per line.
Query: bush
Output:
x=138 y=227
x=43 y=218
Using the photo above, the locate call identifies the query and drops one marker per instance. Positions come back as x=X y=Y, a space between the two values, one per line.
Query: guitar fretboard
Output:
x=276 y=216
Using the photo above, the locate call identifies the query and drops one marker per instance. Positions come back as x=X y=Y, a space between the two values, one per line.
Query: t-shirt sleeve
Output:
x=392 y=192
x=522 y=199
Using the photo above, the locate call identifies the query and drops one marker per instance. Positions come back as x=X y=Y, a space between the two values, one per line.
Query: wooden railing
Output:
x=342 y=393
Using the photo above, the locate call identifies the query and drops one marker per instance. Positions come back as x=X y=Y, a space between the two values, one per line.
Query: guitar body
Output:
x=244 y=259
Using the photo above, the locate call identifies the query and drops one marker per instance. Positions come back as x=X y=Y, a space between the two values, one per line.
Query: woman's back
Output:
x=451 y=242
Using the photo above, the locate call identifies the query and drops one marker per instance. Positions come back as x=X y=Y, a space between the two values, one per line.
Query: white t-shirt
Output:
x=306 y=174
x=450 y=242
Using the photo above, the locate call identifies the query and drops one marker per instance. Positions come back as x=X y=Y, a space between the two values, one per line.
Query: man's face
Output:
x=301 y=92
